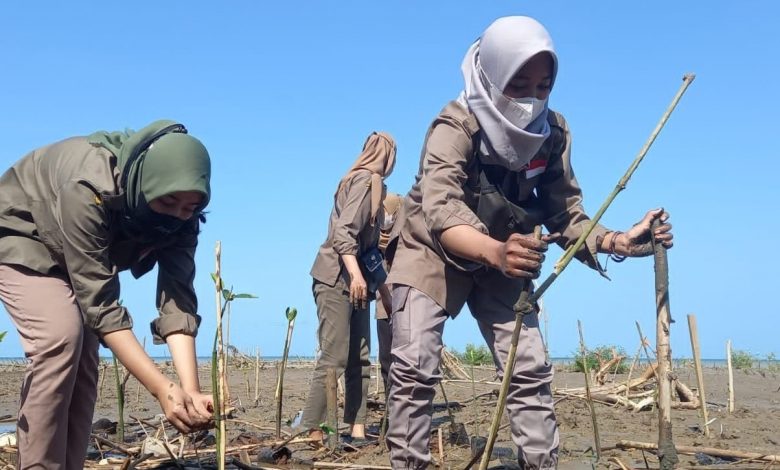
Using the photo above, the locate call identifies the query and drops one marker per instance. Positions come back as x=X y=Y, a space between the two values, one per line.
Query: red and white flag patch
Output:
x=535 y=168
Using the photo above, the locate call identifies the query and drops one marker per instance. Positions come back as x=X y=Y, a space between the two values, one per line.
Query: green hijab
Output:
x=175 y=161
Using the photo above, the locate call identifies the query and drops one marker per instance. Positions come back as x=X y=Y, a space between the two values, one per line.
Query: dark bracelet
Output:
x=612 y=255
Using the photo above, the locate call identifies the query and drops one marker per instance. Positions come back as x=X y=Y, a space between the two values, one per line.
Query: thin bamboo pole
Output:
x=572 y=250
x=731 y=377
x=220 y=404
x=509 y=370
x=257 y=376
x=666 y=450
x=585 y=369
x=331 y=395
x=713 y=451
x=699 y=373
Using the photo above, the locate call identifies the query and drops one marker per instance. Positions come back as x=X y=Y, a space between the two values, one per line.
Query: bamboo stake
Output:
x=643 y=341
x=699 y=372
x=572 y=250
x=219 y=391
x=138 y=388
x=666 y=450
x=441 y=449
x=731 y=377
x=509 y=369
x=584 y=351
x=120 y=401
x=290 y=313
x=713 y=451
x=257 y=376
x=331 y=394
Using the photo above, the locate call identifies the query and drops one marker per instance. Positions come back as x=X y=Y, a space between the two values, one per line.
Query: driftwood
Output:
x=451 y=367
x=689 y=450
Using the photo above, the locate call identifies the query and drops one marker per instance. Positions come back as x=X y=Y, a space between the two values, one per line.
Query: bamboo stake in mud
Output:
x=219 y=383
x=586 y=370
x=509 y=370
x=667 y=454
x=290 y=313
x=731 y=377
x=699 y=374
x=257 y=376
x=331 y=396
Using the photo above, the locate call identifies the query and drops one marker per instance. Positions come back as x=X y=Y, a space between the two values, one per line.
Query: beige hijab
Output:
x=378 y=157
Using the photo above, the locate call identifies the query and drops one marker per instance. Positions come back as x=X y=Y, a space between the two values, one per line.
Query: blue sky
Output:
x=284 y=93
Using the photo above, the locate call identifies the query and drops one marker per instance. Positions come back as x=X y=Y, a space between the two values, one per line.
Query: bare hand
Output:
x=637 y=241
x=204 y=404
x=180 y=409
x=358 y=291
x=522 y=255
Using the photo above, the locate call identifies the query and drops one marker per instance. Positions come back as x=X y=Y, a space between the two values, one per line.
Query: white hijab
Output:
x=505 y=46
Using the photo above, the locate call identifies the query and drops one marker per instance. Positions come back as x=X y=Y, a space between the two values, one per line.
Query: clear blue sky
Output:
x=284 y=93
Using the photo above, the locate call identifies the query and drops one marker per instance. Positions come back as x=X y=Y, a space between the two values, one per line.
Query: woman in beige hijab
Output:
x=345 y=281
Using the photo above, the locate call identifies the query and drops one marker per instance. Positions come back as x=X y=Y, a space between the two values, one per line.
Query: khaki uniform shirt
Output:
x=350 y=231
x=446 y=194
x=59 y=216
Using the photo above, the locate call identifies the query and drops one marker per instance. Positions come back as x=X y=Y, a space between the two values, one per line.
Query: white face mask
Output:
x=519 y=111
x=388 y=222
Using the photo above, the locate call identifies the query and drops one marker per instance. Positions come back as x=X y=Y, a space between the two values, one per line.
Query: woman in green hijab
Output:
x=72 y=216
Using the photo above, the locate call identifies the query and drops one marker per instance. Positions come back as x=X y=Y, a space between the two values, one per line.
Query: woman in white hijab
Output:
x=495 y=163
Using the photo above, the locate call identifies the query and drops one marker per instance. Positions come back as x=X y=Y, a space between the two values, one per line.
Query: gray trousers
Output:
x=344 y=344
x=418 y=324
x=384 y=336
x=60 y=383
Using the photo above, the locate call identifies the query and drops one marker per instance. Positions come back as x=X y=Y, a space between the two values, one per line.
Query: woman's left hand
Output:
x=204 y=403
x=638 y=240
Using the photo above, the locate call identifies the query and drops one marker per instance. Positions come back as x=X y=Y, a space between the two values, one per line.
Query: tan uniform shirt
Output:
x=57 y=217
x=446 y=194
x=349 y=229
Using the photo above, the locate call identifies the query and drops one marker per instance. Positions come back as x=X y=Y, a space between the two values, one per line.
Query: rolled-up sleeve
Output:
x=353 y=214
x=447 y=150
x=85 y=247
x=562 y=199
x=177 y=303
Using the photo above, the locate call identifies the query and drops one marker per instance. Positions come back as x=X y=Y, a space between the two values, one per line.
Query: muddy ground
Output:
x=753 y=427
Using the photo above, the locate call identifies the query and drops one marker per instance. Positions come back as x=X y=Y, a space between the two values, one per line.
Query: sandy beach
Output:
x=754 y=426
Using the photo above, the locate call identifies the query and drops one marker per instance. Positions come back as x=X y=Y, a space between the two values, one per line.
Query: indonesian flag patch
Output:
x=535 y=168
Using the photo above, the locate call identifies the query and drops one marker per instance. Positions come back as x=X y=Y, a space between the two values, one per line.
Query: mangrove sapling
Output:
x=290 y=313
x=2 y=335
x=586 y=371
x=218 y=358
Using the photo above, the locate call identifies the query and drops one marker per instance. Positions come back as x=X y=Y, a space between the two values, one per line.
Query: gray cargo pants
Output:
x=418 y=324
x=344 y=343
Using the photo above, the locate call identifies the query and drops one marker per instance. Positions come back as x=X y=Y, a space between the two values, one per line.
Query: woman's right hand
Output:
x=179 y=408
x=358 y=290
x=522 y=255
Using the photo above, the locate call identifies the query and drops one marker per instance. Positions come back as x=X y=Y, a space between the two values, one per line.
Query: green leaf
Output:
x=217 y=280
x=2 y=335
x=244 y=296
x=291 y=313
x=327 y=429
x=227 y=294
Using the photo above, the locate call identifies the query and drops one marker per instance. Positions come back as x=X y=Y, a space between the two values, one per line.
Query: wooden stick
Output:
x=257 y=376
x=331 y=394
x=692 y=450
x=585 y=369
x=619 y=463
x=666 y=450
x=731 y=377
x=699 y=372
x=441 y=449
x=509 y=366
x=633 y=363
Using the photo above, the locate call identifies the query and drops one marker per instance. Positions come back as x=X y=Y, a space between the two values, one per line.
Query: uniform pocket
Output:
x=49 y=230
